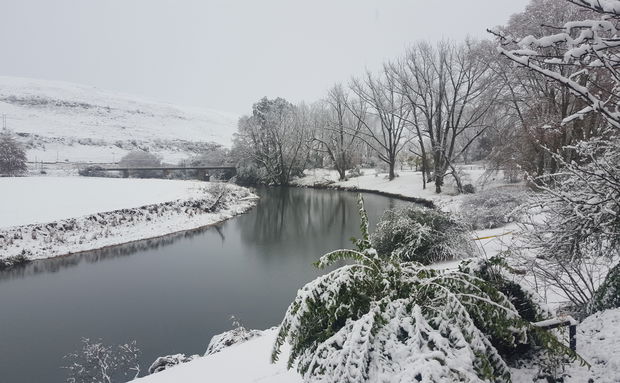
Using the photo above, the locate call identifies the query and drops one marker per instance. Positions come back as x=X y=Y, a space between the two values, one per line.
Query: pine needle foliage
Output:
x=608 y=294
x=378 y=319
x=421 y=234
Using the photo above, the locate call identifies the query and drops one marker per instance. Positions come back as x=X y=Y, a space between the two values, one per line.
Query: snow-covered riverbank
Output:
x=407 y=185
x=42 y=217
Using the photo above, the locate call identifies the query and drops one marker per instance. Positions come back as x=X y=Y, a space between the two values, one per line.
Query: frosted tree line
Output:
x=437 y=105
x=433 y=103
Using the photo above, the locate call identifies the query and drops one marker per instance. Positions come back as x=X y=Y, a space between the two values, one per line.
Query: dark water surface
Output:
x=172 y=294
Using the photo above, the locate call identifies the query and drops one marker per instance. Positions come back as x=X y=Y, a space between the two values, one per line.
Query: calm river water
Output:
x=173 y=294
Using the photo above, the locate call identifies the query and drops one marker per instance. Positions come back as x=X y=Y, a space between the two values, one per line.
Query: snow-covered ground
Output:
x=407 y=184
x=49 y=216
x=249 y=362
x=27 y=200
x=241 y=363
x=64 y=121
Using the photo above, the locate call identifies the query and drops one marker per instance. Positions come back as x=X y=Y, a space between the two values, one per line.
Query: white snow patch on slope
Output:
x=597 y=342
x=84 y=116
x=243 y=363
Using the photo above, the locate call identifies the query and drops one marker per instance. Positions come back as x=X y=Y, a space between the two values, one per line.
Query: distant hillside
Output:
x=71 y=122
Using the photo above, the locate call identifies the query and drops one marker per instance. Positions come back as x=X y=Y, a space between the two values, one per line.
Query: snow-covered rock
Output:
x=164 y=362
x=228 y=338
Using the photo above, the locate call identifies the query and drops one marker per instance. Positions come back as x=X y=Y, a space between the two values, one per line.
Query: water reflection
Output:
x=295 y=213
x=54 y=265
x=171 y=294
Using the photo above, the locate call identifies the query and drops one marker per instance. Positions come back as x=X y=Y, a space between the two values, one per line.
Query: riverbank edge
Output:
x=422 y=201
x=244 y=210
x=237 y=207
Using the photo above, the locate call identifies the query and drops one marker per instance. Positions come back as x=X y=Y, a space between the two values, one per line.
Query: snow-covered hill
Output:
x=65 y=121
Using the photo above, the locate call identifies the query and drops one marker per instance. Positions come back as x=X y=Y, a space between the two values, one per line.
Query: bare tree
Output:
x=582 y=199
x=450 y=92
x=538 y=105
x=384 y=115
x=339 y=136
x=97 y=362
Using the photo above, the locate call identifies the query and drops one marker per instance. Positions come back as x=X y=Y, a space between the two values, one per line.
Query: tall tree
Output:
x=582 y=199
x=449 y=92
x=384 y=115
x=275 y=139
x=341 y=130
x=539 y=105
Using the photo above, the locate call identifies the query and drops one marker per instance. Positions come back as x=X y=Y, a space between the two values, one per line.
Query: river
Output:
x=172 y=294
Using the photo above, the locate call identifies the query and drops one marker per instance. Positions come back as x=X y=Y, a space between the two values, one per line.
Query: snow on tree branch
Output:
x=588 y=53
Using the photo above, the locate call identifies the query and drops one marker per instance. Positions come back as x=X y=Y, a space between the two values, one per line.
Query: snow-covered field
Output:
x=27 y=200
x=49 y=216
x=64 y=121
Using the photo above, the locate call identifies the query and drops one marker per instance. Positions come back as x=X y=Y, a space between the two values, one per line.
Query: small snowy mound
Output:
x=229 y=338
x=164 y=362
x=598 y=341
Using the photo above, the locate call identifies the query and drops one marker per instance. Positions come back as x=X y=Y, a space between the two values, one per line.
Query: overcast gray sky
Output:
x=225 y=54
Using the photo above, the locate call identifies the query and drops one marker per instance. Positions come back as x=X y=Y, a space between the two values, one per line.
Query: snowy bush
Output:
x=355 y=172
x=378 y=320
x=97 y=362
x=238 y=334
x=421 y=234
x=12 y=155
x=250 y=174
x=576 y=236
x=607 y=296
x=95 y=171
x=491 y=208
x=141 y=159
x=578 y=233
x=496 y=272
x=9 y=262
x=469 y=189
